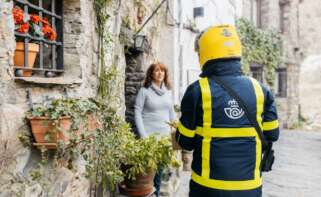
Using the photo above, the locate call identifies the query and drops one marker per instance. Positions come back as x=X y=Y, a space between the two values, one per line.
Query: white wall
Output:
x=185 y=61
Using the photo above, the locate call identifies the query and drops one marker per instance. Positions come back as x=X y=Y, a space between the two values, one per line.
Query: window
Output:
x=282 y=11
x=43 y=22
x=257 y=72
x=259 y=13
x=281 y=82
x=284 y=15
x=256 y=12
x=198 y=12
x=253 y=11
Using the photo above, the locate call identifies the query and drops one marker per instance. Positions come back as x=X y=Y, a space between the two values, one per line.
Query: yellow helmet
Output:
x=218 y=42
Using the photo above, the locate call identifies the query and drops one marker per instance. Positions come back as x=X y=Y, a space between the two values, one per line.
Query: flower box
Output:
x=44 y=130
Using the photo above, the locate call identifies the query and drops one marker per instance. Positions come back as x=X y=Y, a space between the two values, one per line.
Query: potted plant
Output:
x=30 y=24
x=143 y=158
x=112 y=153
x=62 y=119
x=114 y=156
x=107 y=150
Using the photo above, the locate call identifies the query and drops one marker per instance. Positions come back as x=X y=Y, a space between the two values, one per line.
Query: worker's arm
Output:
x=187 y=125
x=270 y=118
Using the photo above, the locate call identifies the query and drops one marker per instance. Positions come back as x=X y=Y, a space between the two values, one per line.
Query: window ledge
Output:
x=53 y=81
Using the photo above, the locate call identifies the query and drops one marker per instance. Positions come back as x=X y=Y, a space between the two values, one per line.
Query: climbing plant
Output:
x=104 y=37
x=259 y=46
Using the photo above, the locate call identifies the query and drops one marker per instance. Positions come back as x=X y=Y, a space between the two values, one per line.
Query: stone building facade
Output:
x=282 y=16
x=310 y=70
x=80 y=79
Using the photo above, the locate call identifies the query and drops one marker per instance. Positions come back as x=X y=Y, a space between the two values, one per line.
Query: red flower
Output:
x=23 y=28
x=49 y=32
x=34 y=18
x=17 y=15
x=45 y=22
x=52 y=36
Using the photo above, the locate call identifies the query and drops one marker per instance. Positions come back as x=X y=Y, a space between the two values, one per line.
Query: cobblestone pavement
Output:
x=184 y=186
x=297 y=169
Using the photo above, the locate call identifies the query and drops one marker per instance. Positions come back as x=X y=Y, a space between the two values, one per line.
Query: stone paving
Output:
x=297 y=169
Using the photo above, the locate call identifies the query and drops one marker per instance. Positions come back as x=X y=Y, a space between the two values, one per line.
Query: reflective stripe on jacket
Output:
x=227 y=149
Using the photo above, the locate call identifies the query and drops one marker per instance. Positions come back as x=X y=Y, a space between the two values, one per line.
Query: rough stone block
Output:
x=11 y=124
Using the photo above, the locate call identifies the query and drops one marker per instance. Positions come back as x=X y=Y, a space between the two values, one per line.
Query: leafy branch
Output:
x=259 y=46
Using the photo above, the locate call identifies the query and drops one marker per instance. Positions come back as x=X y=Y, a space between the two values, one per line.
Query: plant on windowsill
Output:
x=26 y=23
x=62 y=120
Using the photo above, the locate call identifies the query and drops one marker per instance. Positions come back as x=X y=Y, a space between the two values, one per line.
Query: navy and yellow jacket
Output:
x=227 y=149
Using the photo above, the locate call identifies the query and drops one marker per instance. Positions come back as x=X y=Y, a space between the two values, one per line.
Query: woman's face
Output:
x=158 y=75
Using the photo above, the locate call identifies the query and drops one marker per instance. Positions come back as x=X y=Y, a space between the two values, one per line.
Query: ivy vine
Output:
x=259 y=46
x=104 y=38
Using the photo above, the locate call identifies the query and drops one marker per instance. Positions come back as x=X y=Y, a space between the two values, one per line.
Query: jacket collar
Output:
x=222 y=67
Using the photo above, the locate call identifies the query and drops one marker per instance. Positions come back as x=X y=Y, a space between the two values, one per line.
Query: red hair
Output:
x=149 y=75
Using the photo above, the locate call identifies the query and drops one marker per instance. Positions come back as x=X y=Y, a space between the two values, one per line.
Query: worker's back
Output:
x=227 y=149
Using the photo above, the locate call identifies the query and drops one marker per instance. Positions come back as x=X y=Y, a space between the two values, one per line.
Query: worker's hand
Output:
x=173 y=124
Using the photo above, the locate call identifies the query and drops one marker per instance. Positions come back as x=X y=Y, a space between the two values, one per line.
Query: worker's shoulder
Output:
x=253 y=82
x=193 y=88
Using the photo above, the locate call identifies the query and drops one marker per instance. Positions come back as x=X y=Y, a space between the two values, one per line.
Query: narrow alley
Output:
x=94 y=95
x=296 y=171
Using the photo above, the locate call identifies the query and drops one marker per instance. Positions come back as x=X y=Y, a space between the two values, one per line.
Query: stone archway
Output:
x=310 y=89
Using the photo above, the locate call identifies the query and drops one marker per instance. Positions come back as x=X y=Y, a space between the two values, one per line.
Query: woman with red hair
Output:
x=154 y=107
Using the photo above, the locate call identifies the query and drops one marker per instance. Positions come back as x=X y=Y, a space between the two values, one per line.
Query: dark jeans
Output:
x=158 y=181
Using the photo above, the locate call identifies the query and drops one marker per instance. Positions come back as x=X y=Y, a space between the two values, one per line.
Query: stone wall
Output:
x=291 y=49
x=310 y=74
x=310 y=35
x=309 y=19
x=159 y=37
x=134 y=80
x=80 y=80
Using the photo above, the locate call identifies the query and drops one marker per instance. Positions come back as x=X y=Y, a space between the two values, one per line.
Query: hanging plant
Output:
x=259 y=46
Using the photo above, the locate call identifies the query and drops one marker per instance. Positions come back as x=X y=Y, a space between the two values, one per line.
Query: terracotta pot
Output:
x=41 y=125
x=143 y=185
x=93 y=123
x=33 y=49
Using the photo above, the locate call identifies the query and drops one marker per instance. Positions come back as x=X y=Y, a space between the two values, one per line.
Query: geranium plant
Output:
x=30 y=23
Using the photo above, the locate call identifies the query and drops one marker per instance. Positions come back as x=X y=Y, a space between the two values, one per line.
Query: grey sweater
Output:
x=153 y=108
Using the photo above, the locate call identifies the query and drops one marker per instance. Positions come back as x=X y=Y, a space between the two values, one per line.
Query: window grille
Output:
x=257 y=72
x=50 y=55
x=281 y=82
